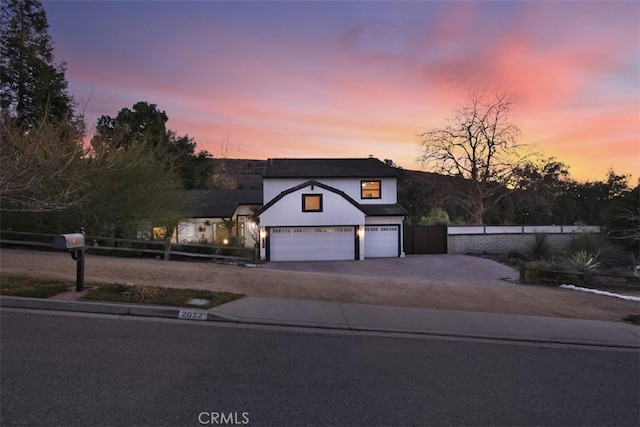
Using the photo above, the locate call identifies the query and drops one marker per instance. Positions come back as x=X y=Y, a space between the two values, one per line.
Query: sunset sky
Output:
x=350 y=79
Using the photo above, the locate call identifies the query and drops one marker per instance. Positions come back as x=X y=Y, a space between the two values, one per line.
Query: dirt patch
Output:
x=507 y=298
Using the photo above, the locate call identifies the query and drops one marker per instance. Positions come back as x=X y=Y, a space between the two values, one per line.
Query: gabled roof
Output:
x=220 y=203
x=368 y=209
x=308 y=184
x=328 y=168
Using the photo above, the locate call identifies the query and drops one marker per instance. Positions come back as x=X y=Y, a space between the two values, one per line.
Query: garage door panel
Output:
x=312 y=243
x=381 y=241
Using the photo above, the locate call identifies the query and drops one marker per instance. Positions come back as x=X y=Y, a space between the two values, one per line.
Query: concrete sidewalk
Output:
x=365 y=317
x=374 y=318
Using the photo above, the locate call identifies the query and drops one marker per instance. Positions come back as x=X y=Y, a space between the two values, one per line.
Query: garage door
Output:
x=312 y=243
x=381 y=241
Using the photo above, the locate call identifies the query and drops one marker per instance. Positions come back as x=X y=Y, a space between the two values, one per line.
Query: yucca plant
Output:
x=584 y=260
x=540 y=248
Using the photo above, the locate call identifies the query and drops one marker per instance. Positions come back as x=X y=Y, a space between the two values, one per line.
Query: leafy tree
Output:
x=624 y=220
x=479 y=146
x=134 y=192
x=436 y=216
x=145 y=124
x=33 y=87
x=142 y=185
x=194 y=167
x=540 y=183
x=594 y=201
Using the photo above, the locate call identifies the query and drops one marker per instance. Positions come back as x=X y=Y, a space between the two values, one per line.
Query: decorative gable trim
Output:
x=308 y=184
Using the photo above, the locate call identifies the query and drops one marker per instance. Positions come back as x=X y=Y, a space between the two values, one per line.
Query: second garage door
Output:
x=381 y=241
x=312 y=243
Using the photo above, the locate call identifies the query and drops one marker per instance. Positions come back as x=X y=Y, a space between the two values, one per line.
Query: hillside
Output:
x=248 y=173
x=238 y=173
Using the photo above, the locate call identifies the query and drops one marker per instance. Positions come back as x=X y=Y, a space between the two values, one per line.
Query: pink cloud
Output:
x=372 y=88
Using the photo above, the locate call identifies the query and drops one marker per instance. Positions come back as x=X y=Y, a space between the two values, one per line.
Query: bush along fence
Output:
x=135 y=248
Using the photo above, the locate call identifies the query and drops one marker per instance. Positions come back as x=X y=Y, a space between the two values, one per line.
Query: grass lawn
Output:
x=157 y=295
x=22 y=286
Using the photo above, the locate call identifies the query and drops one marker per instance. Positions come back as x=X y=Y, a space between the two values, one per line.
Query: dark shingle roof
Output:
x=328 y=168
x=384 y=210
x=220 y=203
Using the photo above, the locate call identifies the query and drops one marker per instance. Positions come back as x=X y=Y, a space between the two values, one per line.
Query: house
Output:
x=221 y=217
x=330 y=209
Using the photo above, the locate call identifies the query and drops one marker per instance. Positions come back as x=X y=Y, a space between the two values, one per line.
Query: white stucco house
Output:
x=330 y=209
x=221 y=217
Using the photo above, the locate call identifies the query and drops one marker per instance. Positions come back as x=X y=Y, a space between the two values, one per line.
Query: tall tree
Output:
x=33 y=87
x=150 y=164
x=540 y=183
x=142 y=123
x=194 y=167
x=479 y=145
x=41 y=152
x=145 y=124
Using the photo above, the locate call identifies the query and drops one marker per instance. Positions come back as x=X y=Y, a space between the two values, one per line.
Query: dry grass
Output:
x=507 y=298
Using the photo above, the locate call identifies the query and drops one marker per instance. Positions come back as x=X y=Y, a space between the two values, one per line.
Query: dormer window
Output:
x=370 y=190
x=312 y=203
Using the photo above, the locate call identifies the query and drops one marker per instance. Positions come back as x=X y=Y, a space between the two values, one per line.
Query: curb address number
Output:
x=192 y=315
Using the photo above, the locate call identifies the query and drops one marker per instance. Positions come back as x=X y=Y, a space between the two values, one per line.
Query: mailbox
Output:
x=68 y=241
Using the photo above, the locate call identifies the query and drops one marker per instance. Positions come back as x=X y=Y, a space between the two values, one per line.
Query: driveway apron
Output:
x=446 y=268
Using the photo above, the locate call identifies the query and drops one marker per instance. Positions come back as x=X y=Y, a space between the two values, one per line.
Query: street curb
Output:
x=137 y=310
x=435 y=334
x=117 y=309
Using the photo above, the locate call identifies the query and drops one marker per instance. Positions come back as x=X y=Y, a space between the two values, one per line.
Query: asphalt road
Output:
x=72 y=370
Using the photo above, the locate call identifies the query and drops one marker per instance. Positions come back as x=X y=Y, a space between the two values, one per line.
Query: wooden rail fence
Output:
x=164 y=248
x=529 y=274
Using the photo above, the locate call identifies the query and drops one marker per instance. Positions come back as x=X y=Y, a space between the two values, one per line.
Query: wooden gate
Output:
x=425 y=239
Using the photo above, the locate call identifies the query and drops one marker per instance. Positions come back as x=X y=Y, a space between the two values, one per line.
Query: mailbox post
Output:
x=74 y=243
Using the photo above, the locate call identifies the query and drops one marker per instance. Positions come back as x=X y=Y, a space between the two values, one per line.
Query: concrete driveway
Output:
x=443 y=268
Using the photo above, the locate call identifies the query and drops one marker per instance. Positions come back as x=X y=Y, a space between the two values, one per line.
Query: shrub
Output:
x=584 y=242
x=436 y=216
x=583 y=260
x=142 y=292
x=596 y=246
x=232 y=241
x=540 y=248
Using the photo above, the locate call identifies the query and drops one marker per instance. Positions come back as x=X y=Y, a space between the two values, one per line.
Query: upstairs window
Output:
x=312 y=203
x=370 y=190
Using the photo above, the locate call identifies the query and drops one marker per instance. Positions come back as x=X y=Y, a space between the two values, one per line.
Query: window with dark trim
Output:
x=370 y=189
x=312 y=203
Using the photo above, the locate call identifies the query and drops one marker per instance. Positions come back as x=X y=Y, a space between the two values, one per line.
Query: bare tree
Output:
x=223 y=178
x=41 y=166
x=480 y=146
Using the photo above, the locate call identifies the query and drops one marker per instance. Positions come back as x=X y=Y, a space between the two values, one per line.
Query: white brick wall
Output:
x=463 y=240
